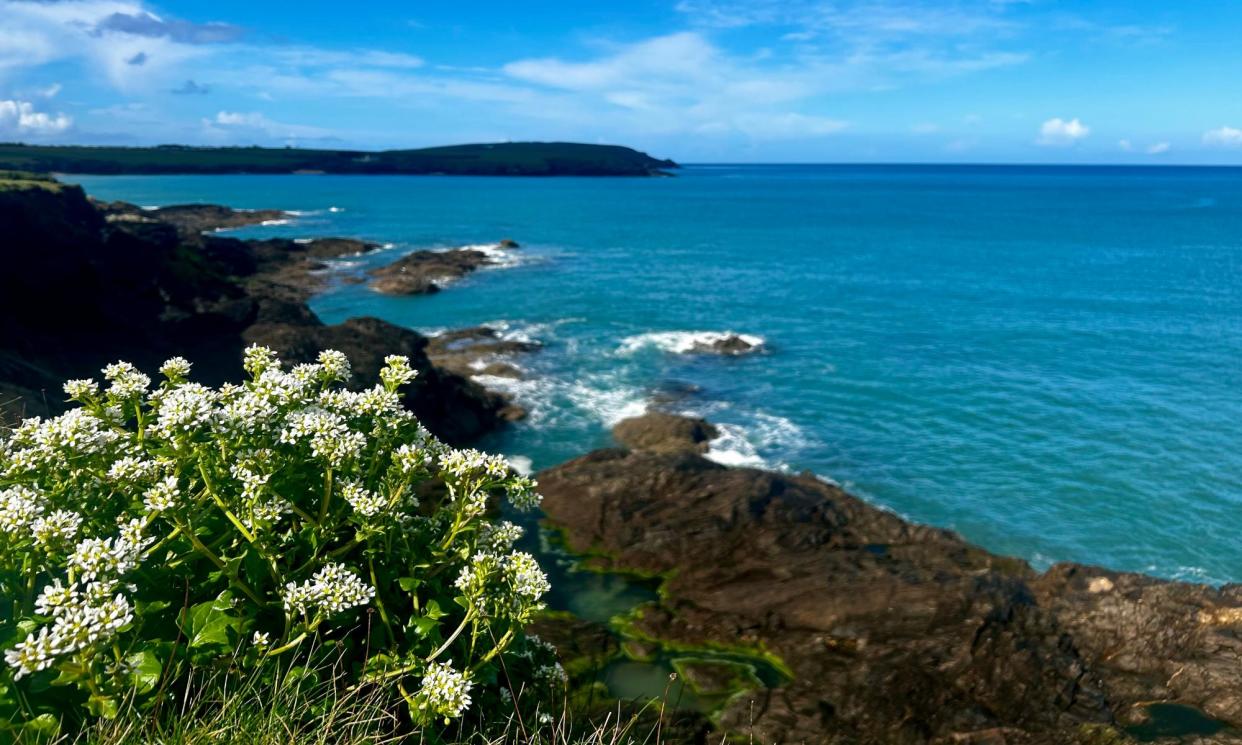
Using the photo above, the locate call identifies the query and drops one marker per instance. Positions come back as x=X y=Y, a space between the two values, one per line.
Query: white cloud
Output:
x=20 y=118
x=236 y=125
x=1125 y=145
x=1059 y=132
x=1223 y=137
x=1158 y=148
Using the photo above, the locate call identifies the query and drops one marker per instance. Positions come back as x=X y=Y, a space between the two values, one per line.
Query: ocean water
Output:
x=1046 y=360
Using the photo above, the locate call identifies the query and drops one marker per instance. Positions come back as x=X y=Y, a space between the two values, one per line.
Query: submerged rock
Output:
x=665 y=433
x=893 y=632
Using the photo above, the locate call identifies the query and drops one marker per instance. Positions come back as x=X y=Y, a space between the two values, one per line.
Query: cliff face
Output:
x=87 y=284
x=893 y=632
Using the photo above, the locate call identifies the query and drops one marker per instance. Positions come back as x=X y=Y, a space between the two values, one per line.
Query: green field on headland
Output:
x=500 y=159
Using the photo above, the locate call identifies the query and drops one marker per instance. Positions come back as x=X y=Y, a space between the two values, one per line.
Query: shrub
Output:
x=147 y=533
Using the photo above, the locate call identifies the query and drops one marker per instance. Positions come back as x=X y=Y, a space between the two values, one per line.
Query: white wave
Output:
x=610 y=405
x=498 y=256
x=149 y=207
x=682 y=342
x=732 y=448
x=336 y=209
x=303 y=240
x=522 y=464
x=747 y=444
x=282 y=221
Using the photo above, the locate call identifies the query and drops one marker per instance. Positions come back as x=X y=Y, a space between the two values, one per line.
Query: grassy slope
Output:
x=513 y=158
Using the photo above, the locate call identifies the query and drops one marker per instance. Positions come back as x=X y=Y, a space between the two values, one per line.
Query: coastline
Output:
x=937 y=600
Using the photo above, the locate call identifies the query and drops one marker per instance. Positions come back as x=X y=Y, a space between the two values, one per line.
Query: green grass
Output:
x=20 y=180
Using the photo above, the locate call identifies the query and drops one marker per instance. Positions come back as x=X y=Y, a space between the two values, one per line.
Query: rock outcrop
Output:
x=423 y=272
x=87 y=284
x=659 y=432
x=893 y=632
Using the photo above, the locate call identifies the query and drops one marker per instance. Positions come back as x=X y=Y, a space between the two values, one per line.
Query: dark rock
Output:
x=894 y=632
x=449 y=405
x=665 y=433
x=730 y=344
x=508 y=243
x=87 y=284
x=420 y=273
x=192 y=219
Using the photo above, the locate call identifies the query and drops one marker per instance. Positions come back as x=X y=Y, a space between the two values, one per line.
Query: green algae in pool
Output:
x=589 y=594
x=1174 y=720
x=652 y=678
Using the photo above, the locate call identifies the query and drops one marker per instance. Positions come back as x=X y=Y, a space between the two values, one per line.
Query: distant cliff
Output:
x=501 y=159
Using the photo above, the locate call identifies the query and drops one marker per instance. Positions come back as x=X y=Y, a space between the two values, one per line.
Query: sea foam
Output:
x=682 y=342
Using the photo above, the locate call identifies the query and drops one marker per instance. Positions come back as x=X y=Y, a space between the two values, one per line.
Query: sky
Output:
x=1001 y=81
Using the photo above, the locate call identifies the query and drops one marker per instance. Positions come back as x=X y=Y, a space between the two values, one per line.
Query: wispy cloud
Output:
x=1227 y=137
x=1058 y=132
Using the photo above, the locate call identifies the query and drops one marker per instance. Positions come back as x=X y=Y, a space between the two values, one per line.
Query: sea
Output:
x=1047 y=360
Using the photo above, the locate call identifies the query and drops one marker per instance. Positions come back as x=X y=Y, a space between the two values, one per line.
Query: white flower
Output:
x=257 y=359
x=176 y=369
x=525 y=576
x=329 y=436
x=522 y=494
x=333 y=589
x=131 y=470
x=56 y=528
x=81 y=389
x=397 y=371
x=36 y=652
x=500 y=537
x=163 y=496
x=444 y=690
x=261 y=639
x=335 y=365
x=19 y=507
x=184 y=409
x=126 y=381
x=364 y=501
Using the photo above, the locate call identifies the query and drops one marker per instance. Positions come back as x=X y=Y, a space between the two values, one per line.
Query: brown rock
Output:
x=894 y=632
x=421 y=272
x=665 y=433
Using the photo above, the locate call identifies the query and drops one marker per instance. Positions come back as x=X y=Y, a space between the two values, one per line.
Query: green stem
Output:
x=327 y=494
x=448 y=642
x=238 y=581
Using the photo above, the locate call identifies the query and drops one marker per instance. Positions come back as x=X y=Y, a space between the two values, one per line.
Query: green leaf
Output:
x=146 y=670
x=409 y=584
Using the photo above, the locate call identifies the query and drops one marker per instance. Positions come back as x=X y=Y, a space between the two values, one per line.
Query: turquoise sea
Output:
x=1044 y=359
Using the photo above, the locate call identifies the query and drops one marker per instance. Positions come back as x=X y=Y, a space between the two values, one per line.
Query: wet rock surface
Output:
x=894 y=632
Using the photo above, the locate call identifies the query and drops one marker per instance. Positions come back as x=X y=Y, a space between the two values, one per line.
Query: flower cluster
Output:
x=444 y=691
x=333 y=589
x=150 y=530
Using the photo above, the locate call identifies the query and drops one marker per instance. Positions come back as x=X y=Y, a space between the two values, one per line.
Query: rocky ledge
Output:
x=892 y=632
x=89 y=283
x=424 y=272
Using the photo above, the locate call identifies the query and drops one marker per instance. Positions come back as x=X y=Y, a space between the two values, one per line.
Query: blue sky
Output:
x=1116 y=81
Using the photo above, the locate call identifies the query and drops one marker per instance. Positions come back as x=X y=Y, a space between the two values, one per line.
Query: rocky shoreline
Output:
x=893 y=632
x=802 y=613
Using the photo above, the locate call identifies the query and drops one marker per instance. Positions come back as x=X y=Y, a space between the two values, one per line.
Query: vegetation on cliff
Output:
x=499 y=159
x=151 y=535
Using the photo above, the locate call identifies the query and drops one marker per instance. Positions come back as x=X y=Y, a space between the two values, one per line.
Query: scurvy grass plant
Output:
x=151 y=531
